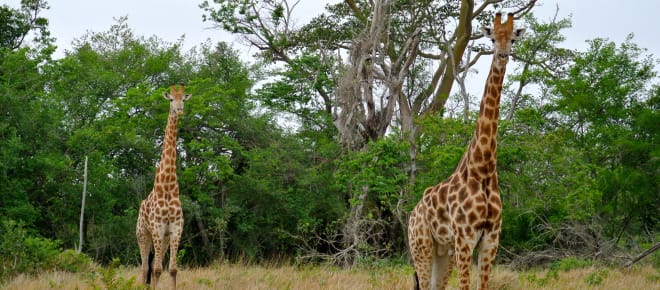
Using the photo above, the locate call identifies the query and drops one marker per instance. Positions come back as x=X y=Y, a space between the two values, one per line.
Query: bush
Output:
x=21 y=252
x=571 y=263
x=72 y=261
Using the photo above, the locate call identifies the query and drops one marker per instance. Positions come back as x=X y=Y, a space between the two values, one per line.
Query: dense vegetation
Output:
x=267 y=171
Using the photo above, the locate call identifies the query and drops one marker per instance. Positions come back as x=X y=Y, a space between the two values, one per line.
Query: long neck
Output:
x=489 y=109
x=168 y=157
x=482 y=152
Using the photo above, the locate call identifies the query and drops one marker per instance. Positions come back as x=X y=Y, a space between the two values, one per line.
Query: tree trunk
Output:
x=463 y=34
x=642 y=255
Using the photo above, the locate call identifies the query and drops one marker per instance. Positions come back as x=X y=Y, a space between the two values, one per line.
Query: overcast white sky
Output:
x=172 y=19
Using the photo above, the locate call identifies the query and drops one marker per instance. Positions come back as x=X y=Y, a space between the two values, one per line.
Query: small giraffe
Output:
x=160 y=221
x=464 y=211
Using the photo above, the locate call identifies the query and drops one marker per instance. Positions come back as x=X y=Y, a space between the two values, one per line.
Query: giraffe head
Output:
x=503 y=35
x=176 y=98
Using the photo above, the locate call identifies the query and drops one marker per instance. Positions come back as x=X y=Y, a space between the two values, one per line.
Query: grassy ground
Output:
x=235 y=276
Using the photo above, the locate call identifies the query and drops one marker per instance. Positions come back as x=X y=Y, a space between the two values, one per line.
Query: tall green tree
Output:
x=17 y=24
x=605 y=101
x=29 y=168
x=108 y=87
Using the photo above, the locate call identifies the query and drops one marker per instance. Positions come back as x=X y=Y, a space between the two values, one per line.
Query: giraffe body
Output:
x=160 y=221
x=463 y=213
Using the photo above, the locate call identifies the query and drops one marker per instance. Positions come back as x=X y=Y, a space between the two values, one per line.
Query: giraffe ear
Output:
x=518 y=33
x=186 y=97
x=167 y=96
x=487 y=32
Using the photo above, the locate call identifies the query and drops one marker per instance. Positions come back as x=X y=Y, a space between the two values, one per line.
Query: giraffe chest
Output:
x=162 y=207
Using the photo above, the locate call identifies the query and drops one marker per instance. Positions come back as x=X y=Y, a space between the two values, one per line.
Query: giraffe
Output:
x=160 y=221
x=464 y=212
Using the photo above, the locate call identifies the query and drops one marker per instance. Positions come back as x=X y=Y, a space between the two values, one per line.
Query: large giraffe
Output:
x=464 y=211
x=160 y=221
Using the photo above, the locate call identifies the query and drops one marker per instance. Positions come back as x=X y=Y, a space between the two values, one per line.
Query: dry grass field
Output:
x=237 y=276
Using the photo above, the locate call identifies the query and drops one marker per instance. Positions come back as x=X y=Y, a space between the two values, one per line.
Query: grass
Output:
x=238 y=276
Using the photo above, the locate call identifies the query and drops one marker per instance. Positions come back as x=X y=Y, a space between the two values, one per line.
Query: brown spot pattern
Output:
x=467 y=203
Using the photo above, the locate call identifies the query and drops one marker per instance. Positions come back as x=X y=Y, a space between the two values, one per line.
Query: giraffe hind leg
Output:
x=487 y=252
x=416 y=281
x=421 y=250
x=145 y=245
x=150 y=266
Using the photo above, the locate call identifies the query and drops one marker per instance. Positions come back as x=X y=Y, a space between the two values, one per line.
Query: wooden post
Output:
x=82 y=208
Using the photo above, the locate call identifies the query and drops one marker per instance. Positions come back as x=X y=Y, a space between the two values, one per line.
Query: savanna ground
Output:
x=239 y=276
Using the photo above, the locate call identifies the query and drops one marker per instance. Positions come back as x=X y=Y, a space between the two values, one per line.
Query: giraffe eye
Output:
x=513 y=41
x=492 y=40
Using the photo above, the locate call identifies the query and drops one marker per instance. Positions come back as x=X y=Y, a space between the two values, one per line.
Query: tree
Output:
x=605 y=100
x=387 y=43
x=542 y=59
x=29 y=170
x=108 y=88
x=385 y=81
x=16 y=24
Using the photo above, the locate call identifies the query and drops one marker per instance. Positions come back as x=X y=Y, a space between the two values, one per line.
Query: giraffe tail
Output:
x=416 y=281
x=150 y=268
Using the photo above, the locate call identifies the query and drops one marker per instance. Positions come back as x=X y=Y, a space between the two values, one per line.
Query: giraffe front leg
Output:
x=159 y=253
x=487 y=252
x=175 y=236
x=463 y=253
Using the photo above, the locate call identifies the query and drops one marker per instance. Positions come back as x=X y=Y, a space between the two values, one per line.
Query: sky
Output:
x=171 y=20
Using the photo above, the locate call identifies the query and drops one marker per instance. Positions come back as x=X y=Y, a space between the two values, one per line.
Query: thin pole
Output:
x=82 y=208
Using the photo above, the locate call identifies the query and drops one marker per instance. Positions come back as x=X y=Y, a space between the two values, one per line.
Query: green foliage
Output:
x=111 y=280
x=16 y=24
x=602 y=102
x=571 y=263
x=22 y=252
x=72 y=261
x=294 y=91
x=378 y=169
x=551 y=274
x=596 y=277
x=442 y=142
x=583 y=151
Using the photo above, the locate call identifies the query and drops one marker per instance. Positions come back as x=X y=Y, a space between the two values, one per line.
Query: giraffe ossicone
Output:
x=464 y=212
x=160 y=220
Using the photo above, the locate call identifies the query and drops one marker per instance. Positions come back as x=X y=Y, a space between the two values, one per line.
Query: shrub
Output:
x=72 y=261
x=22 y=253
x=596 y=277
x=571 y=263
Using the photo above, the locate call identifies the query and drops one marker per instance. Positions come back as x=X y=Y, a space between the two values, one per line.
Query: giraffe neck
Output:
x=167 y=165
x=482 y=153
